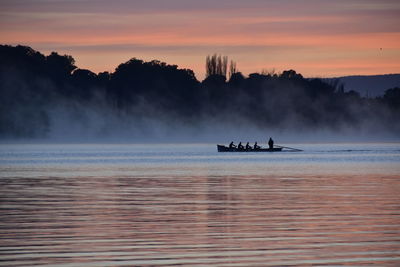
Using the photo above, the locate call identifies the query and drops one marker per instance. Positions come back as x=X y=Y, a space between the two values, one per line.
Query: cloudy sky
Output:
x=315 y=37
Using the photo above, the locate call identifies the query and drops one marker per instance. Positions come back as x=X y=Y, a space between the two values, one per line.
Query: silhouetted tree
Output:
x=232 y=69
x=60 y=67
x=236 y=79
x=392 y=98
x=291 y=74
x=32 y=84
x=216 y=65
x=154 y=82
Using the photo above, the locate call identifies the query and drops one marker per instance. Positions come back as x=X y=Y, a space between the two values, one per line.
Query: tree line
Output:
x=32 y=85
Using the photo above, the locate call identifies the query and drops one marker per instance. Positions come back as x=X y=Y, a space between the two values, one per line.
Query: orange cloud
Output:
x=331 y=38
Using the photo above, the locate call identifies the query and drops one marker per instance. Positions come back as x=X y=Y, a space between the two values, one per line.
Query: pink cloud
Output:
x=184 y=32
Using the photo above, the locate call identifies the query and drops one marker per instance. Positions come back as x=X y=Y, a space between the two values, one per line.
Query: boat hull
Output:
x=222 y=148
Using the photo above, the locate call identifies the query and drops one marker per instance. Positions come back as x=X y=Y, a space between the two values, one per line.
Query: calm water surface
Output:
x=148 y=205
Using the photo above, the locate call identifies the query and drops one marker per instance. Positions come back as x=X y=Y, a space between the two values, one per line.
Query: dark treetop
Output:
x=33 y=86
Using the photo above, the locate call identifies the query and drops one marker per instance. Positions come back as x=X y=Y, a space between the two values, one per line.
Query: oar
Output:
x=295 y=149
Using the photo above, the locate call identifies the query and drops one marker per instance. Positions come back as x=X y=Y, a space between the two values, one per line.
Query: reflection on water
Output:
x=188 y=205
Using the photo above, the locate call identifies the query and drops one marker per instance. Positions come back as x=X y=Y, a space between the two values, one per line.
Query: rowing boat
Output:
x=222 y=148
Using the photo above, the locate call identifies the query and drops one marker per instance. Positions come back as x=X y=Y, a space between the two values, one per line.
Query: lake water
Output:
x=150 y=205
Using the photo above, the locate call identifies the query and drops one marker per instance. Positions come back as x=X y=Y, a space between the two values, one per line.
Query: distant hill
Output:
x=371 y=86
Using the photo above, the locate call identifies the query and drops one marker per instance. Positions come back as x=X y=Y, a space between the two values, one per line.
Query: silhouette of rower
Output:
x=271 y=143
x=248 y=147
x=256 y=146
x=240 y=146
x=232 y=145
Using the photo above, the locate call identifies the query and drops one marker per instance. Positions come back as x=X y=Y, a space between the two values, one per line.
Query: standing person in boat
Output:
x=240 y=146
x=232 y=145
x=256 y=146
x=248 y=147
x=271 y=143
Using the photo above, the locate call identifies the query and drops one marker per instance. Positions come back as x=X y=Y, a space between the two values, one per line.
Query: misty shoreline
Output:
x=47 y=98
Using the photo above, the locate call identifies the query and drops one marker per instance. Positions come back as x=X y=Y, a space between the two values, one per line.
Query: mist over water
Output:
x=97 y=123
x=122 y=169
x=49 y=99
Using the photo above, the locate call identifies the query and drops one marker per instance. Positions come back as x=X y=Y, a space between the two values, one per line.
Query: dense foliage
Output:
x=33 y=87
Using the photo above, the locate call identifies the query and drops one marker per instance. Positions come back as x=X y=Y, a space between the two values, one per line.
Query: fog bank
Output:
x=49 y=99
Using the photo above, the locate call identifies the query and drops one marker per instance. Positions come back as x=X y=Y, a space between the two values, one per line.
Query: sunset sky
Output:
x=318 y=38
